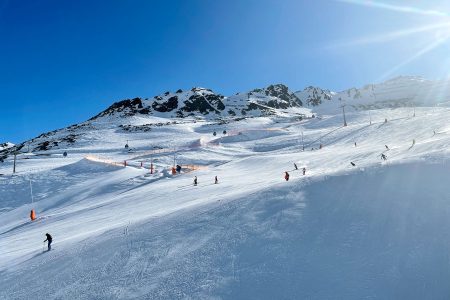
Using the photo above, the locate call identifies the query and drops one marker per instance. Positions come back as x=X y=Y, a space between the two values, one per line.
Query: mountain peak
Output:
x=277 y=96
x=314 y=96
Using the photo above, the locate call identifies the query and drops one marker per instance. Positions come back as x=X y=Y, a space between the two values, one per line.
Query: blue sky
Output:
x=64 y=61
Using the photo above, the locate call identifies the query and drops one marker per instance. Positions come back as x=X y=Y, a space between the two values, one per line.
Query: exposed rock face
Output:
x=314 y=96
x=167 y=106
x=7 y=145
x=204 y=102
x=280 y=96
x=127 y=107
x=197 y=102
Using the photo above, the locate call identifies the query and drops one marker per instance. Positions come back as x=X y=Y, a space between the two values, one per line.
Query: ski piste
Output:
x=25 y=223
x=253 y=231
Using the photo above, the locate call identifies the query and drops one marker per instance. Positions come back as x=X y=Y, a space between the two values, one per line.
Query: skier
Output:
x=352 y=163
x=304 y=171
x=65 y=154
x=387 y=148
x=434 y=132
x=216 y=181
x=295 y=166
x=49 y=240
x=286 y=176
x=414 y=142
x=385 y=120
x=355 y=144
x=178 y=168
x=32 y=215
x=195 y=180
x=383 y=156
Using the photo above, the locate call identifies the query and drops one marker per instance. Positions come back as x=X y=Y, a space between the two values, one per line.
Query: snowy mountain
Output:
x=5 y=149
x=6 y=145
x=143 y=114
x=201 y=104
x=314 y=96
x=403 y=91
x=125 y=226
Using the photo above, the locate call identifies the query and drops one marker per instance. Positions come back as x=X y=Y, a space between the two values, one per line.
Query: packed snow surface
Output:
x=376 y=230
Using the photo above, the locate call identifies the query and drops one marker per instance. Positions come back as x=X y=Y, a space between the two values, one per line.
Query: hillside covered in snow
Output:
x=200 y=104
x=364 y=214
x=402 y=91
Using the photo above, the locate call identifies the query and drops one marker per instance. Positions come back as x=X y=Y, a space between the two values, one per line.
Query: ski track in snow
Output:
x=375 y=231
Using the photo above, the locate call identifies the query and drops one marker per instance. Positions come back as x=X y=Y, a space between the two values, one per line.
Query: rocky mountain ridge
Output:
x=204 y=104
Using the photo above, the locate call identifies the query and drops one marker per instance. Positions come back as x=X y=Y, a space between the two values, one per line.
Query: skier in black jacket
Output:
x=49 y=240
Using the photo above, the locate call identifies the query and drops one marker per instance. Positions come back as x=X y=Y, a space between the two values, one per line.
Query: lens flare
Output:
x=398 y=8
x=417 y=55
x=436 y=34
x=390 y=36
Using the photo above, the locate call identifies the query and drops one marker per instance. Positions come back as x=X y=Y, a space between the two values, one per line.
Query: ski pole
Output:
x=43 y=246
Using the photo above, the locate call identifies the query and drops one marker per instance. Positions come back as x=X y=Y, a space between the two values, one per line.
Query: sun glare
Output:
x=433 y=35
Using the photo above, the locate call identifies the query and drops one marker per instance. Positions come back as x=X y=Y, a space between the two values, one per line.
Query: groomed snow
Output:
x=376 y=230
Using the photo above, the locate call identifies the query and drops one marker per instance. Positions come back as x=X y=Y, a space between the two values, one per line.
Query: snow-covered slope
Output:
x=201 y=104
x=374 y=230
x=5 y=149
x=195 y=105
x=314 y=96
x=6 y=146
x=403 y=91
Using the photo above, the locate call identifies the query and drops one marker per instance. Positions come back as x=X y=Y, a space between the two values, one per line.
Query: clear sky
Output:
x=61 y=62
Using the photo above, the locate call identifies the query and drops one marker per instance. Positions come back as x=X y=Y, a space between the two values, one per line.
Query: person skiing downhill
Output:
x=216 y=181
x=295 y=166
x=383 y=156
x=286 y=176
x=387 y=148
x=195 y=180
x=304 y=171
x=49 y=240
